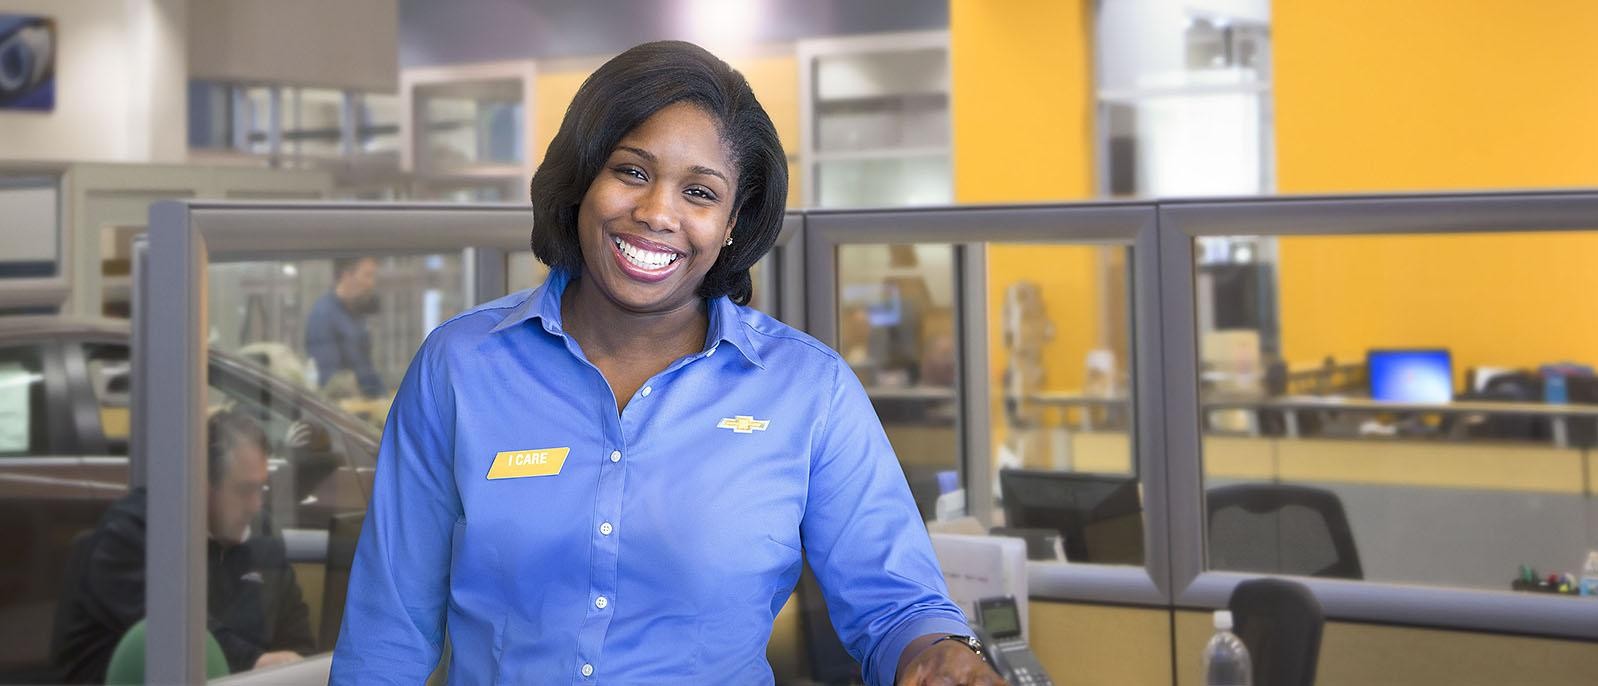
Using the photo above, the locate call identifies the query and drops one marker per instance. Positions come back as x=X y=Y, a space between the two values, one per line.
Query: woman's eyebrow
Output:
x=647 y=155
x=697 y=169
x=710 y=172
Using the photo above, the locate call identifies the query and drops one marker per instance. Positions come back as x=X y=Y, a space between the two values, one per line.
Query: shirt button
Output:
x=711 y=351
x=615 y=456
x=588 y=670
x=601 y=602
x=645 y=392
x=605 y=529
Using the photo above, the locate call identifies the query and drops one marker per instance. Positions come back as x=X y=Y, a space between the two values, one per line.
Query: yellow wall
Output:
x=1022 y=100
x=1437 y=94
x=774 y=78
x=1022 y=116
x=1494 y=300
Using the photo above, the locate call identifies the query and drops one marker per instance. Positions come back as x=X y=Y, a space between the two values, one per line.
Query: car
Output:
x=66 y=419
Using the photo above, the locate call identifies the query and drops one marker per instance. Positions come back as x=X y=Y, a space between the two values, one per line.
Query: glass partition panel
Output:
x=315 y=123
x=345 y=328
x=305 y=358
x=1354 y=387
x=896 y=330
x=1065 y=474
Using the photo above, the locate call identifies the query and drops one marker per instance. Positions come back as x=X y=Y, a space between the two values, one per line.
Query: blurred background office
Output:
x=1383 y=408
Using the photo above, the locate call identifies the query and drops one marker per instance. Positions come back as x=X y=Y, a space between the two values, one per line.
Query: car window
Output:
x=24 y=421
x=313 y=466
x=312 y=475
x=111 y=379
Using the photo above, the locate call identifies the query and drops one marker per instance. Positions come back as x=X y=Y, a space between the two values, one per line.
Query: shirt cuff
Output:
x=886 y=661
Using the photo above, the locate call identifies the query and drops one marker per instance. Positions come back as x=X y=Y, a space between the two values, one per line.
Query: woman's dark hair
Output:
x=618 y=97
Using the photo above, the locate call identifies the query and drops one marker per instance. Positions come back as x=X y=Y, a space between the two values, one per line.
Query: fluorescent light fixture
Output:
x=721 y=25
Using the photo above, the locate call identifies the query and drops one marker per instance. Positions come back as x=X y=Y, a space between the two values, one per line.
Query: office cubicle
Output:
x=1133 y=406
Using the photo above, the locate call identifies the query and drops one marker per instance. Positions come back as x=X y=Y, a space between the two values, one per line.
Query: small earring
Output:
x=729 y=241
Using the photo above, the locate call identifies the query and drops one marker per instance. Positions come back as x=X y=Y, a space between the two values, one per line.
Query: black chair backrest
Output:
x=343 y=531
x=1280 y=623
x=1281 y=529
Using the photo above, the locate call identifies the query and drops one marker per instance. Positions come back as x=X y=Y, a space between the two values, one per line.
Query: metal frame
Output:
x=1129 y=224
x=1369 y=601
x=170 y=321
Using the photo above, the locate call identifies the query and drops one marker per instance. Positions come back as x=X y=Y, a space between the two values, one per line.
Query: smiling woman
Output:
x=690 y=487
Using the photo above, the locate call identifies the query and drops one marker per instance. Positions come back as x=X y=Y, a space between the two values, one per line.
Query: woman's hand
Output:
x=947 y=663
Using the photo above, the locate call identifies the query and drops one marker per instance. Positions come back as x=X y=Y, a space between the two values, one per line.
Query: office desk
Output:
x=1559 y=415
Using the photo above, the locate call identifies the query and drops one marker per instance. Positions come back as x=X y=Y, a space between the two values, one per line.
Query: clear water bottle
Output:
x=1589 y=575
x=1226 y=658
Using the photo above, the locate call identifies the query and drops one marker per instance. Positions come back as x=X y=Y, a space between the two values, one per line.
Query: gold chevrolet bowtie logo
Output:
x=743 y=424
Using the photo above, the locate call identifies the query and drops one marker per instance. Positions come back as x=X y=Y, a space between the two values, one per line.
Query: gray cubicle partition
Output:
x=1166 y=440
x=1183 y=221
x=969 y=229
x=171 y=320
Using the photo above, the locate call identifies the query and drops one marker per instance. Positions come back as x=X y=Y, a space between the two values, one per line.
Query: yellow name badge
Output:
x=517 y=464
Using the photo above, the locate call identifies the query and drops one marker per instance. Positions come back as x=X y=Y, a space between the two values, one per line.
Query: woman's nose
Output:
x=657 y=208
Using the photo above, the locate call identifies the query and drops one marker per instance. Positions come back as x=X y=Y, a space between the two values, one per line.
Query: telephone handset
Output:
x=999 y=629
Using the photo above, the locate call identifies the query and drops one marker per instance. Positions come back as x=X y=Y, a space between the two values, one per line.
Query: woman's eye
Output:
x=701 y=193
x=633 y=172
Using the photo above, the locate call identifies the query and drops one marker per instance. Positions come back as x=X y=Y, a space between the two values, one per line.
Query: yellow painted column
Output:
x=1023 y=100
x=1374 y=95
x=1022 y=109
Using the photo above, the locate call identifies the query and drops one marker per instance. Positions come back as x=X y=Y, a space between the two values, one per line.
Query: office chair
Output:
x=342 y=532
x=1280 y=622
x=1582 y=390
x=1281 y=529
x=127 y=661
x=1513 y=387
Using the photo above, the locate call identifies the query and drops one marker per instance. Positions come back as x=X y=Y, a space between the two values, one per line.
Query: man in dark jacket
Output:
x=254 y=608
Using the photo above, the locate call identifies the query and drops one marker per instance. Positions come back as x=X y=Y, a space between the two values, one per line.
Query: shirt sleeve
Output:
x=394 y=612
x=866 y=542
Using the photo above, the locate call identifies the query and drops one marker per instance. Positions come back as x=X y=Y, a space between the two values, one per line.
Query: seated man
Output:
x=254 y=610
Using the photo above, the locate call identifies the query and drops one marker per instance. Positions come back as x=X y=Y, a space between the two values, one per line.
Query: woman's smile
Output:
x=644 y=260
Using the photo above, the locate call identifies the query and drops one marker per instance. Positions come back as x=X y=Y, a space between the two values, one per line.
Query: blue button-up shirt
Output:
x=669 y=537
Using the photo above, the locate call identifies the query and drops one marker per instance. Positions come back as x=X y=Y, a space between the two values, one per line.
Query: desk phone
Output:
x=999 y=629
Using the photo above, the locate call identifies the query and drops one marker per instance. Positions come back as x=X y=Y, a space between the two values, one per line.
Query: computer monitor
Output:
x=1410 y=376
x=1100 y=516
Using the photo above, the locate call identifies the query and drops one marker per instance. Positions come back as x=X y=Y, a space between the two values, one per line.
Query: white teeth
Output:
x=647 y=259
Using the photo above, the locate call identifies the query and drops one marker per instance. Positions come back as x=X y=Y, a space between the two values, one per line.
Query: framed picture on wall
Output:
x=27 y=62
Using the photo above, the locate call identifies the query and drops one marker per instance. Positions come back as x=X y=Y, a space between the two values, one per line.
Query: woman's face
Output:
x=655 y=218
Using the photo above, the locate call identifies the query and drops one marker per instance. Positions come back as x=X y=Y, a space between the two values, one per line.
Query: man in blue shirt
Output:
x=335 y=332
x=566 y=542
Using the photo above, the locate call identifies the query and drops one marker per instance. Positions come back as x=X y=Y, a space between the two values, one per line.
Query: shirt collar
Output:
x=543 y=304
